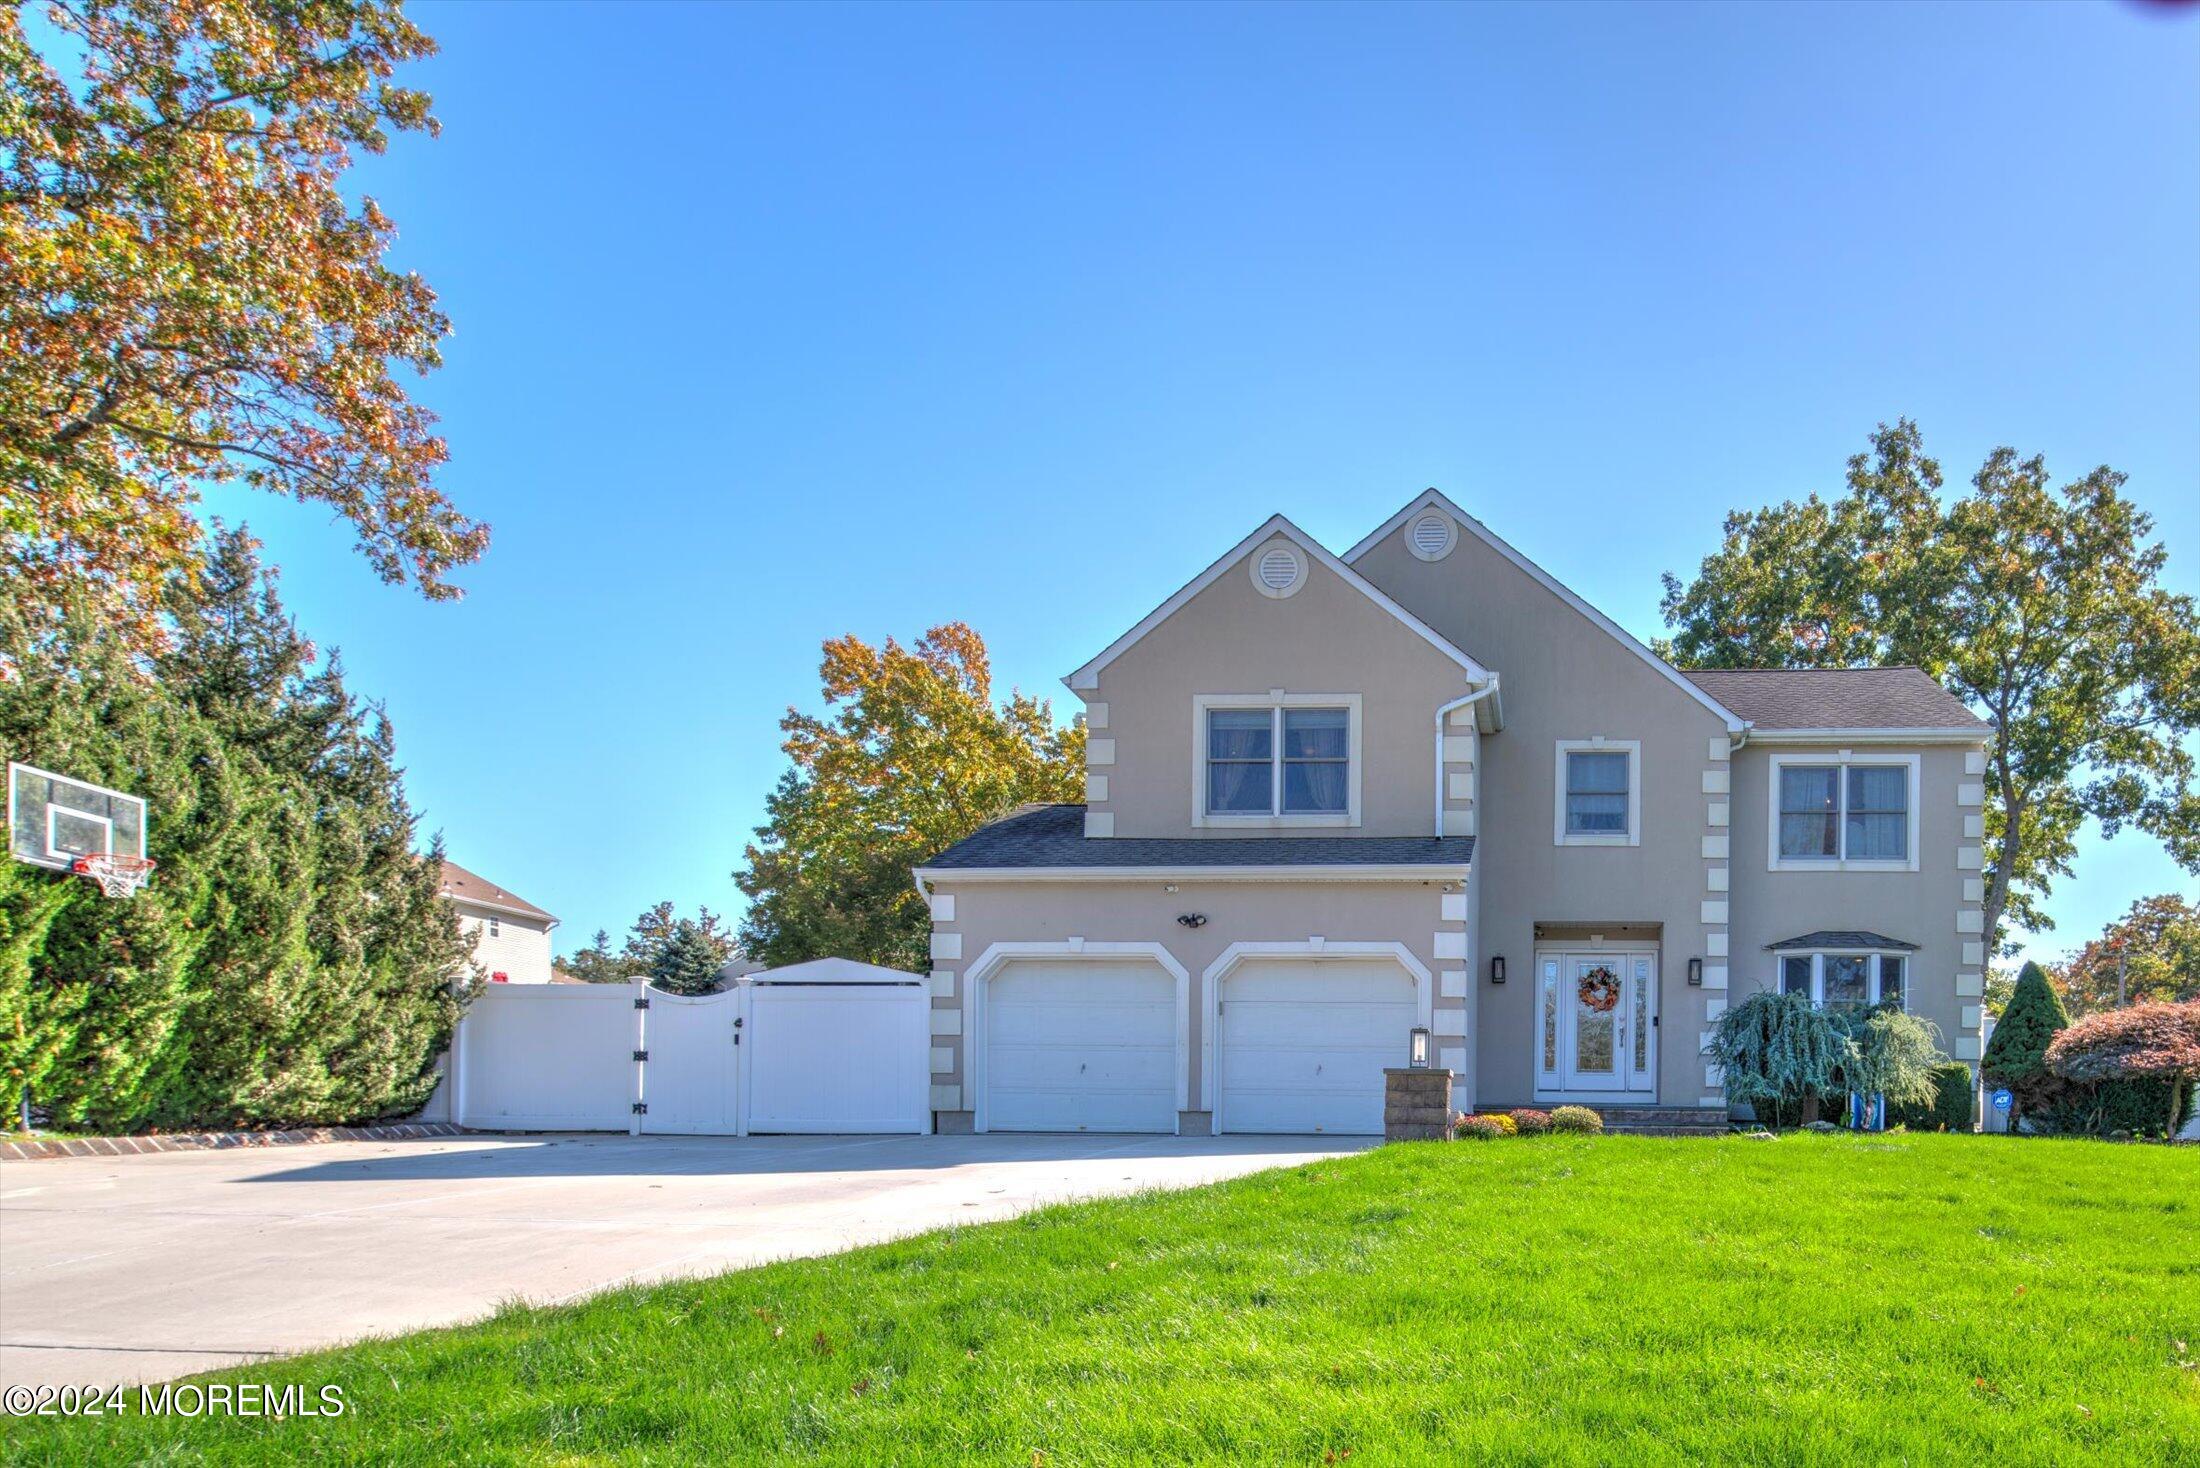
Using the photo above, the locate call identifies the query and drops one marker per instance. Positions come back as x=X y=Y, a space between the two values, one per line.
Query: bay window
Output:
x=1846 y=981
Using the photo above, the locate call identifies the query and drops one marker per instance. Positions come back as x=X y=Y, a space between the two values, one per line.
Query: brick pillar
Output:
x=1416 y=1105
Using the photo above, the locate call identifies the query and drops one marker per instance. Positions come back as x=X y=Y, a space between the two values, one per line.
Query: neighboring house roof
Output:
x=1053 y=836
x=1088 y=676
x=1436 y=499
x=740 y=966
x=461 y=885
x=1838 y=698
x=1844 y=938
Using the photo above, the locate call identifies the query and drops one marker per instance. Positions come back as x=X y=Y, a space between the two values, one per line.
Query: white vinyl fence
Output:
x=833 y=1047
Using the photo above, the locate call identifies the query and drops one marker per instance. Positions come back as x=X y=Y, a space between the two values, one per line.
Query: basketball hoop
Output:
x=117 y=873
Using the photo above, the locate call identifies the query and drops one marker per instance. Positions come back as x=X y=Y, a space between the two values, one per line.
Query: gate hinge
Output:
x=641 y=1108
x=641 y=1055
x=736 y=1037
x=1654 y=1020
x=642 y=1003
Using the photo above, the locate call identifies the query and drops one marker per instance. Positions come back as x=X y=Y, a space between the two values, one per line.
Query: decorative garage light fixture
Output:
x=1497 y=968
x=1695 y=973
x=1417 y=1050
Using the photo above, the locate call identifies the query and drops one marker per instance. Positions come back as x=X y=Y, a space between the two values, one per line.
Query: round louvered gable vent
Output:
x=1432 y=536
x=1279 y=570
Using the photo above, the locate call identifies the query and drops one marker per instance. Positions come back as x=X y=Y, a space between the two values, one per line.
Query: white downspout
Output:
x=1443 y=711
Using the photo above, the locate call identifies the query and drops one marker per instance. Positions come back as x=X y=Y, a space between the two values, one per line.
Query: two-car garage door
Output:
x=1091 y=1045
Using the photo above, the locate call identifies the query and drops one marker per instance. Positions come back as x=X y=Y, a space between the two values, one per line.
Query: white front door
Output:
x=1303 y=1043
x=1080 y=1045
x=1596 y=1033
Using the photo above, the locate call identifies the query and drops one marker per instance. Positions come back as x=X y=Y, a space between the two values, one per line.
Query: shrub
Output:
x=1472 y=1128
x=1505 y=1124
x=1779 y=1049
x=2016 y=1056
x=1576 y=1119
x=1951 y=1108
x=1895 y=1057
x=2144 y=1042
x=1532 y=1123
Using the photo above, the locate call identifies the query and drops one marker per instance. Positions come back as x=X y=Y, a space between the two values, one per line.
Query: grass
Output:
x=1912 y=1298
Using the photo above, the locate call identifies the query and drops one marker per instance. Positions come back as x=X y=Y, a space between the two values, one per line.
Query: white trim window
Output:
x=496 y=927
x=1599 y=793
x=1847 y=980
x=1843 y=812
x=1276 y=759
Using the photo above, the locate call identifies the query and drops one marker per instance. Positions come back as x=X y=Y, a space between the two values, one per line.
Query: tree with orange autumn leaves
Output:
x=912 y=756
x=188 y=298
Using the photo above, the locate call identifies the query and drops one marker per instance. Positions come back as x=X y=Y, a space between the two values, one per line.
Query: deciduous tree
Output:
x=2158 y=941
x=912 y=755
x=188 y=297
x=2158 y=1042
x=2041 y=607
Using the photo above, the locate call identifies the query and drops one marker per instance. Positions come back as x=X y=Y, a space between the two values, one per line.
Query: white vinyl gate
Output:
x=835 y=1046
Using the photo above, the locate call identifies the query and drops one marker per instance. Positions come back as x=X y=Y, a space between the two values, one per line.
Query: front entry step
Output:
x=1664 y=1121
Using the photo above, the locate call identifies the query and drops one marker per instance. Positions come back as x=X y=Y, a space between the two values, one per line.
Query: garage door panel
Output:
x=1044 y=1065
x=1081 y=1046
x=1303 y=1044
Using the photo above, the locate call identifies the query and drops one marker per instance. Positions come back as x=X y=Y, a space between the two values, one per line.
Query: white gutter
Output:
x=1435 y=871
x=1442 y=712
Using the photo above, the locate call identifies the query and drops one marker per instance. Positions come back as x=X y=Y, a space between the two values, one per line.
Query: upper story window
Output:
x=1844 y=813
x=1278 y=760
x=1846 y=980
x=1599 y=793
x=495 y=928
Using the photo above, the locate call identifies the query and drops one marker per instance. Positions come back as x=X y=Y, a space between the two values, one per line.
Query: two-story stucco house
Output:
x=1331 y=800
x=511 y=936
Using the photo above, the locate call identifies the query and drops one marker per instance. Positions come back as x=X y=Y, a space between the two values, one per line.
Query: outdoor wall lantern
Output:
x=1417 y=1050
x=1695 y=973
x=1497 y=968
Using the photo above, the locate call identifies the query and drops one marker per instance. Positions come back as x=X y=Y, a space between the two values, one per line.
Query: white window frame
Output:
x=1632 y=836
x=1277 y=700
x=1818 y=957
x=496 y=928
x=1841 y=759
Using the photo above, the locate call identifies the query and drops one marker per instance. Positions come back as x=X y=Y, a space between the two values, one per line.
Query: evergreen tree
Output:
x=2016 y=1057
x=291 y=961
x=689 y=960
x=597 y=964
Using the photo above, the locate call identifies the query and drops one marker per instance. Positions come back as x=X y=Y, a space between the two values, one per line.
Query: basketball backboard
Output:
x=53 y=820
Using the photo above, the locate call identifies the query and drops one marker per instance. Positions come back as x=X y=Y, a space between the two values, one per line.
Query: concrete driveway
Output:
x=125 y=1269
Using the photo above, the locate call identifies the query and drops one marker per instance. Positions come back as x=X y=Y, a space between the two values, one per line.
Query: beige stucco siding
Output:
x=1408 y=912
x=519 y=948
x=1926 y=907
x=1565 y=677
x=1326 y=638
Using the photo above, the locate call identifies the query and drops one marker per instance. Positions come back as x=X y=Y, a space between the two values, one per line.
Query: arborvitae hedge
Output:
x=290 y=962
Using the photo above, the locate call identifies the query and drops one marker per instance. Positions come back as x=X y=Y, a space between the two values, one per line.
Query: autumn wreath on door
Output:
x=1598 y=990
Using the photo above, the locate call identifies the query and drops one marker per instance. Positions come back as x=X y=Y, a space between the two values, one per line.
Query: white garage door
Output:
x=1080 y=1046
x=1303 y=1044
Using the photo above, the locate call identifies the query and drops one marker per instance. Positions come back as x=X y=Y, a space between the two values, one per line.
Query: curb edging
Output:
x=214 y=1141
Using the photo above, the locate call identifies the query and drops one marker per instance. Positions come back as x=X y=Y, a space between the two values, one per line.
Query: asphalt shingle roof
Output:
x=1054 y=836
x=1835 y=698
x=1844 y=938
x=461 y=885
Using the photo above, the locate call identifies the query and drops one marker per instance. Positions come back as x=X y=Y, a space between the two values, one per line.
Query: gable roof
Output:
x=1436 y=499
x=1839 y=699
x=461 y=885
x=1088 y=676
x=1053 y=837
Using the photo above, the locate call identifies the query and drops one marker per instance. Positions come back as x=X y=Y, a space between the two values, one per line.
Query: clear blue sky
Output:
x=774 y=324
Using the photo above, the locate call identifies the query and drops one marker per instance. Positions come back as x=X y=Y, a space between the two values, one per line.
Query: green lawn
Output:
x=1559 y=1300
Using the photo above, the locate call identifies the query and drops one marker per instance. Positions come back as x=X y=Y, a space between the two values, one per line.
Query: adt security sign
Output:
x=2001 y=1100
